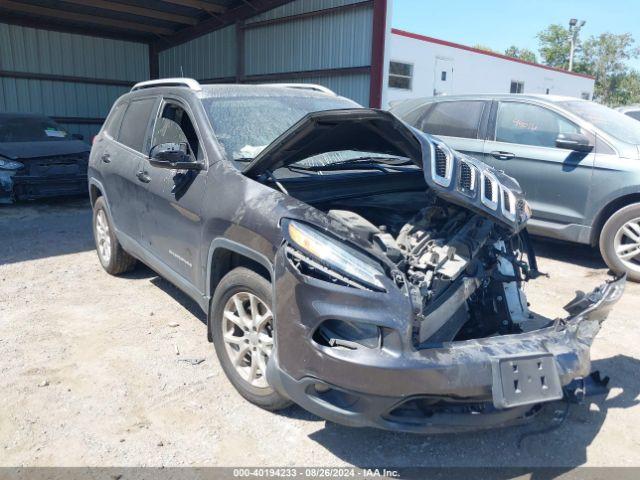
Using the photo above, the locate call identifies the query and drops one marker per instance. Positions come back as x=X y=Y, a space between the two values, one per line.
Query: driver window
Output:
x=174 y=126
x=527 y=124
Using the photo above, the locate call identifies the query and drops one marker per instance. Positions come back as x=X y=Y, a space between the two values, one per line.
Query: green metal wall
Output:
x=210 y=56
x=335 y=42
x=48 y=53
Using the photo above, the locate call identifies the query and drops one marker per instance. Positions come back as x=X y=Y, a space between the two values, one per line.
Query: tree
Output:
x=555 y=47
x=521 y=53
x=605 y=56
x=626 y=89
x=479 y=46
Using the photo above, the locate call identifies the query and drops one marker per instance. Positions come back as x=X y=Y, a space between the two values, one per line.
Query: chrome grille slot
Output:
x=442 y=164
x=508 y=204
x=490 y=194
x=466 y=178
x=506 y=200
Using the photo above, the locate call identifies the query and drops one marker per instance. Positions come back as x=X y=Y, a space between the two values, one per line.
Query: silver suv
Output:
x=577 y=162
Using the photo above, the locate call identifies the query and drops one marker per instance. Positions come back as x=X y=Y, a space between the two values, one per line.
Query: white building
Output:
x=420 y=66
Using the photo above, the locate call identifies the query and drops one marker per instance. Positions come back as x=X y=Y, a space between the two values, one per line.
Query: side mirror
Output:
x=174 y=156
x=77 y=136
x=573 y=141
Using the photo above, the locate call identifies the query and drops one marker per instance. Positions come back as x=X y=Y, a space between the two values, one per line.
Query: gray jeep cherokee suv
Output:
x=578 y=162
x=346 y=262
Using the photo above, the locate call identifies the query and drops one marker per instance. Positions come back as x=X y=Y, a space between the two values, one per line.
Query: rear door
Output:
x=120 y=157
x=556 y=182
x=170 y=218
x=443 y=81
x=458 y=123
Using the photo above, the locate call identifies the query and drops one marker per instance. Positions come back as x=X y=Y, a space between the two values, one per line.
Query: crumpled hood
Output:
x=458 y=178
x=26 y=150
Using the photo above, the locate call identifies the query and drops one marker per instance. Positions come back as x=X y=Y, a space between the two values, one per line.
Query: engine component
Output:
x=463 y=279
x=366 y=229
x=439 y=244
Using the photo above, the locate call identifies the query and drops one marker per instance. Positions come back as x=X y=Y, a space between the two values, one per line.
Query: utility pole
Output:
x=574 y=30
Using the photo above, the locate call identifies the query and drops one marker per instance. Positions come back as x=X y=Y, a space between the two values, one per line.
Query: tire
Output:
x=621 y=236
x=112 y=256
x=239 y=294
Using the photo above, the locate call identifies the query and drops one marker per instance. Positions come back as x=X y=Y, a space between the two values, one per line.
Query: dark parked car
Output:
x=39 y=159
x=578 y=162
x=346 y=262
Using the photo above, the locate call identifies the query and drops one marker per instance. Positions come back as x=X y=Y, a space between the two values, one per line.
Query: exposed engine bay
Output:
x=463 y=272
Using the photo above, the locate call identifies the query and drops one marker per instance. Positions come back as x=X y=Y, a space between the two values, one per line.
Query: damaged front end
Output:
x=404 y=309
x=30 y=171
x=8 y=169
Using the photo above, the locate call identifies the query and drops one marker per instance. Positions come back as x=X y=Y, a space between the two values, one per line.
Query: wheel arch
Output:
x=94 y=193
x=609 y=209
x=224 y=256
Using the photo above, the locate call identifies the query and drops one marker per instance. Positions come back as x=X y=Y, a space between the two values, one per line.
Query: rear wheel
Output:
x=112 y=256
x=620 y=241
x=243 y=335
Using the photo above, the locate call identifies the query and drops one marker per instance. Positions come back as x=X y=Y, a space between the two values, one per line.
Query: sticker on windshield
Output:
x=251 y=151
x=52 y=132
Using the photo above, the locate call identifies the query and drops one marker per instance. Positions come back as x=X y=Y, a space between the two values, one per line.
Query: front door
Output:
x=443 y=82
x=170 y=218
x=556 y=182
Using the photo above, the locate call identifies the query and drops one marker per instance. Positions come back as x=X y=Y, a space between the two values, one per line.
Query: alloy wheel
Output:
x=626 y=244
x=103 y=239
x=247 y=332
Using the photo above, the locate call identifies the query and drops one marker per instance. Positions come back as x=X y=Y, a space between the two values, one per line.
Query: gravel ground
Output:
x=90 y=373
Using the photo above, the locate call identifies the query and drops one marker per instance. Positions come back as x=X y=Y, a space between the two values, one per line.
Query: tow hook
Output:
x=586 y=387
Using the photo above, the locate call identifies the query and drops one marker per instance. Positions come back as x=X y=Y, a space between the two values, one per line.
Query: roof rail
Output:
x=169 y=82
x=304 y=86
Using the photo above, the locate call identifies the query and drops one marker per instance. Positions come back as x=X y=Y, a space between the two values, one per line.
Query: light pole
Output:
x=574 y=29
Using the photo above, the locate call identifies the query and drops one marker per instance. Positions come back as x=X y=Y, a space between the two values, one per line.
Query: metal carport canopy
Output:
x=165 y=23
x=162 y=25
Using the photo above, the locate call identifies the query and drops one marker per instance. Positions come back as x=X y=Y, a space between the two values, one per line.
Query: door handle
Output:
x=503 y=155
x=143 y=176
x=106 y=158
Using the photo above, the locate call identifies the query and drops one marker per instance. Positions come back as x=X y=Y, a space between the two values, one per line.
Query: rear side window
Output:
x=635 y=114
x=526 y=124
x=112 y=125
x=135 y=122
x=453 y=119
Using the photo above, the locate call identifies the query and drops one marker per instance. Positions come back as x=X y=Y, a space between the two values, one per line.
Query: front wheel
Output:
x=620 y=242
x=243 y=335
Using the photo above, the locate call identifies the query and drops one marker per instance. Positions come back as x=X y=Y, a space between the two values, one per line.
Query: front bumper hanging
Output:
x=459 y=386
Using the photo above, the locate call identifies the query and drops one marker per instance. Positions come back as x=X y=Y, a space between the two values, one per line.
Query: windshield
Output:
x=609 y=121
x=30 y=129
x=244 y=126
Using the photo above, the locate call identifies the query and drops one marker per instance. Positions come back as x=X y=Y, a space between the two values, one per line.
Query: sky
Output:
x=499 y=24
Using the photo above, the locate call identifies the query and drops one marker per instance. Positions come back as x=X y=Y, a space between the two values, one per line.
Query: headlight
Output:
x=10 y=164
x=337 y=256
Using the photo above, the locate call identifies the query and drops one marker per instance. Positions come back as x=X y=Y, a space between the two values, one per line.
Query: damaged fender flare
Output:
x=240 y=249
